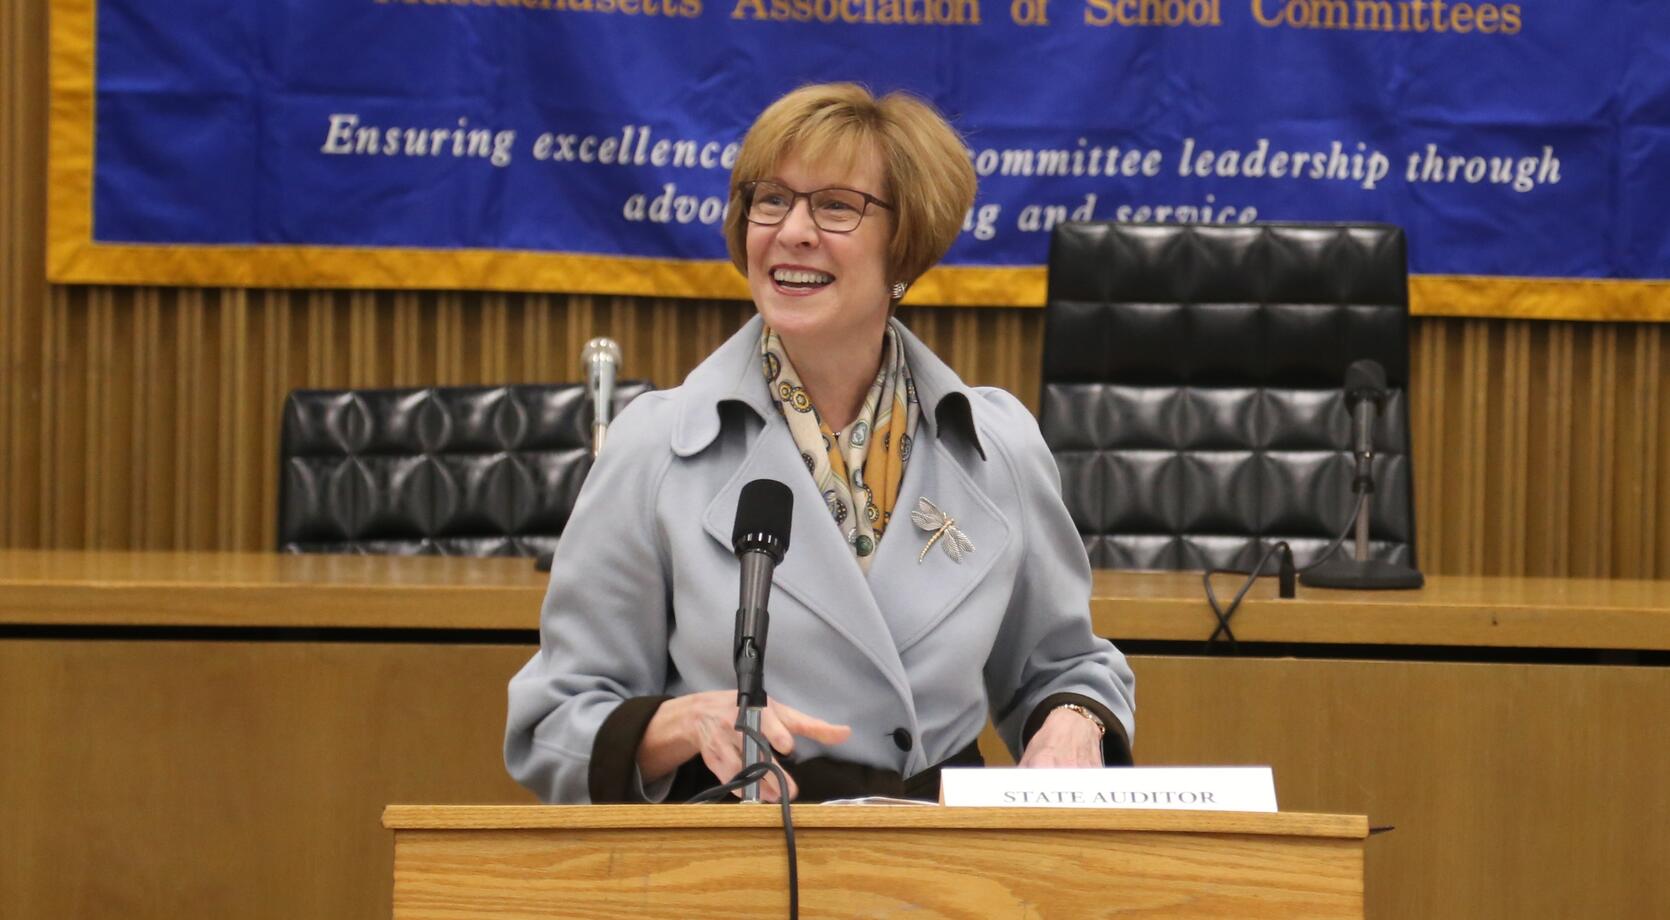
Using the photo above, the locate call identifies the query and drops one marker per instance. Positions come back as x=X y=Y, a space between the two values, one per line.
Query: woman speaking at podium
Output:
x=934 y=576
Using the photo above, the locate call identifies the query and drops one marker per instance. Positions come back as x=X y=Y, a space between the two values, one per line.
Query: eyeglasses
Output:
x=834 y=209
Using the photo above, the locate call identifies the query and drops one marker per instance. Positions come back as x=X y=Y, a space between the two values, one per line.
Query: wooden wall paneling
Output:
x=479 y=337
x=1623 y=516
x=649 y=324
x=365 y=345
x=689 y=332
x=1425 y=410
x=110 y=425
x=578 y=324
x=432 y=359
x=1660 y=488
x=529 y=328
x=22 y=285
x=492 y=340
x=436 y=354
x=196 y=405
x=1024 y=364
x=1473 y=461
x=63 y=461
x=1506 y=547
x=1485 y=770
x=625 y=319
x=1591 y=484
x=1442 y=443
x=248 y=778
x=183 y=313
x=260 y=415
x=1548 y=521
x=398 y=321
x=436 y=349
x=318 y=340
x=555 y=363
x=236 y=773
x=1634 y=530
x=278 y=378
x=663 y=326
x=646 y=325
x=11 y=246
x=961 y=335
x=94 y=343
x=139 y=470
x=236 y=461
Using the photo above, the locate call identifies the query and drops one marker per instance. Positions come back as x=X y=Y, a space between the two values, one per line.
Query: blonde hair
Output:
x=927 y=174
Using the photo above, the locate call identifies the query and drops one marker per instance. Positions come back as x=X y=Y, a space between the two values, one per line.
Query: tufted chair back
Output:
x=464 y=471
x=1193 y=388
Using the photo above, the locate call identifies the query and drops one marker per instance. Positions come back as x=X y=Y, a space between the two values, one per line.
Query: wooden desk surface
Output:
x=272 y=590
x=66 y=587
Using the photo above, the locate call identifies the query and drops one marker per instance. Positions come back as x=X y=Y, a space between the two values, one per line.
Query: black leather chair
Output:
x=465 y=471
x=1193 y=388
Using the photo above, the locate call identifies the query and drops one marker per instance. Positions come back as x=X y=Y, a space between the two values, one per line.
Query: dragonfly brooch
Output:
x=927 y=516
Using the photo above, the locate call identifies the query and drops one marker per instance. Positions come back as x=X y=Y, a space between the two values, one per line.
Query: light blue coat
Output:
x=644 y=585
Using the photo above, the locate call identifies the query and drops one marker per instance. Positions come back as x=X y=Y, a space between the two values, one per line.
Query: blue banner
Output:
x=1524 y=140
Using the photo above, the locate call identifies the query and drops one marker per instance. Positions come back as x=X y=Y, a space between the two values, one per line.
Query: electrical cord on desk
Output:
x=753 y=773
x=1286 y=572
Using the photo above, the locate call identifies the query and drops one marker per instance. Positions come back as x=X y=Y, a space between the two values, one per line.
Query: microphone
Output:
x=759 y=538
x=1365 y=394
x=601 y=358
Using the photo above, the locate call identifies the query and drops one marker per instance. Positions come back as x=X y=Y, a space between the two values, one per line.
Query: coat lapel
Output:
x=917 y=596
x=819 y=570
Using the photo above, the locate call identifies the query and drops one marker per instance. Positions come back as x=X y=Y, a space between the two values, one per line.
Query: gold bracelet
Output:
x=1101 y=729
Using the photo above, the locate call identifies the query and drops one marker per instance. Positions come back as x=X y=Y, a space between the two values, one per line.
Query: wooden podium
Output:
x=928 y=862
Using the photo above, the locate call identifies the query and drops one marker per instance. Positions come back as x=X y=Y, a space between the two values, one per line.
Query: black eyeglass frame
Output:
x=748 y=189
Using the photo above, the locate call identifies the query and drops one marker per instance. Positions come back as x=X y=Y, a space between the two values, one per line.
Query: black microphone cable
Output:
x=754 y=773
x=1222 y=613
x=1286 y=572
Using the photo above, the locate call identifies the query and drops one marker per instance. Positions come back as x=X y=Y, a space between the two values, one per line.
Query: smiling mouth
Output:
x=799 y=279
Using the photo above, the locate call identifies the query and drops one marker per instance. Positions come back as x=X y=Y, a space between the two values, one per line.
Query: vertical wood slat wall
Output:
x=147 y=418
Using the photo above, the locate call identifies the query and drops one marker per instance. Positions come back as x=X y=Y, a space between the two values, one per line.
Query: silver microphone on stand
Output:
x=601 y=358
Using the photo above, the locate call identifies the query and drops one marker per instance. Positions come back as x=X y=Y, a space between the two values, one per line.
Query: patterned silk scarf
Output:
x=859 y=470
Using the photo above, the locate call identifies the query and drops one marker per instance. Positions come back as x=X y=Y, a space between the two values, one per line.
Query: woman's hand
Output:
x=705 y=724
x=1066 y=739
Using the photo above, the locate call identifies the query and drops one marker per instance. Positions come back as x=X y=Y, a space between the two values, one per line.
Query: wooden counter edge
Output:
x=614 y=817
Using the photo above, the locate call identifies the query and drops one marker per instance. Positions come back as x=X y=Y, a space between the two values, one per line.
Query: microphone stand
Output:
x=753 y=621
x=598 y=431
x=1362 y=572
x=750 y=698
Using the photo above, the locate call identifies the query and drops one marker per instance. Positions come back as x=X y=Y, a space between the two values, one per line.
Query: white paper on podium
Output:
x=1175 y=788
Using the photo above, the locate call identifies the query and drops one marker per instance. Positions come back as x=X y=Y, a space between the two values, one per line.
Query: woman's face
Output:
x=812 y=285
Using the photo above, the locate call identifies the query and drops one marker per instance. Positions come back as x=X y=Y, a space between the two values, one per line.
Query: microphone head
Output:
x=601 y=348
x=601 y=360
x=763 y=515
x=1365 y=374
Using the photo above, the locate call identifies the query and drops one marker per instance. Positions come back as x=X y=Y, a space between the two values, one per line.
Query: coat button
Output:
x=902 y=739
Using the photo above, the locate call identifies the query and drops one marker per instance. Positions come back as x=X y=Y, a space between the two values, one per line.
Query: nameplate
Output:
x=1176 y=788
